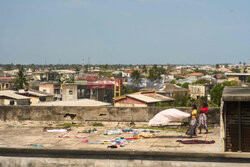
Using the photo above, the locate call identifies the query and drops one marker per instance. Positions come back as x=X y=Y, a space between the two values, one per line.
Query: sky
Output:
x=124 y=31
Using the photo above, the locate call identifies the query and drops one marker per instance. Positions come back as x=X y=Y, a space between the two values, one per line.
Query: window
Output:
x=70 y=92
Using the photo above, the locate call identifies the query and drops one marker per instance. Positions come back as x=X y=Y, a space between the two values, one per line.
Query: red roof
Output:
x=198 y=74
x=6 y=78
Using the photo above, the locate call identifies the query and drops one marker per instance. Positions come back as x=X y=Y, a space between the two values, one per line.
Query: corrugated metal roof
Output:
x=81 y=102
x=12 y=94
x=144 y=98
x=35 y=93
x=159 y=97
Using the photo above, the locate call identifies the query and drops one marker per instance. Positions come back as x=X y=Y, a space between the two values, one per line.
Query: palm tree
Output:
x=136 y=75
x=20 y=81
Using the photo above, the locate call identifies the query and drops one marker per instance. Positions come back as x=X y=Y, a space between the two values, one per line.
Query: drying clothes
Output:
x=56 y=129
x=196 y=141
x=72 y=136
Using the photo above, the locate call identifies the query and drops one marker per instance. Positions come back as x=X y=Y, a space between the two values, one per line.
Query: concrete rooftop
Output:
x=26 y=134
x=236 y=94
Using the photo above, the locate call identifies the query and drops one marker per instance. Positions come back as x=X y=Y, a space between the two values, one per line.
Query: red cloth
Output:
x=204 y=110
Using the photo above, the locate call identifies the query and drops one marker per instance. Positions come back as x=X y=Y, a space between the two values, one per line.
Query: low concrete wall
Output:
x=111 y=114
x=112 y=158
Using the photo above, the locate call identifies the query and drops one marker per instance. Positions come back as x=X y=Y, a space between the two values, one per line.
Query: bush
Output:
x=97 y=124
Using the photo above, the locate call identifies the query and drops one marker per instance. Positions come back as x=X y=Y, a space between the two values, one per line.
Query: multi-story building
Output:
x=51 y=88
x=6 y=83
x=199 y=90
x=96 y=91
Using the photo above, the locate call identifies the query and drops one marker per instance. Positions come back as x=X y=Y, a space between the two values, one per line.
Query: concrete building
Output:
x=99 y=91
x=235 y=119
x=194 y=76
x=199 y=90
x=10 y=97
x=239 y=77
x=35 y=96
x=172 y=90
x=51 y=88
x=141 y=99
x=6 y=83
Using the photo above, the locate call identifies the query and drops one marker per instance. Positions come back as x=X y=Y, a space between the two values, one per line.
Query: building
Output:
x=172 y=90
x=35 y=96
x=6 y=83
x=195 y=76
x=239 y=77
x=235 y=119
x=198 y=90
x=96 y=91
x=81 y=102
x=141 y=99
x=51 y=88
x=10 y=97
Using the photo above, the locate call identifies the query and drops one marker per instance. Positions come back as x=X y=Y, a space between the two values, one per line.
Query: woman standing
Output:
x=193 y=123
x=203 y=118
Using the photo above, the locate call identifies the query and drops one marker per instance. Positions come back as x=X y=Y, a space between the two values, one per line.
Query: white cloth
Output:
x=167 y=116
x=57 y=130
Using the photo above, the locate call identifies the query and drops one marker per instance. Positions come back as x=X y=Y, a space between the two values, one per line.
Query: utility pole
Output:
x=83 y=64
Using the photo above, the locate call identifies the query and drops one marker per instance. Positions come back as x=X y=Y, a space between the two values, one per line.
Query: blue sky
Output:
x=124 y=31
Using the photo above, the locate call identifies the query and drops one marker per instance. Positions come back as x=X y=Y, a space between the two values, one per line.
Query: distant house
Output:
x=96 y=91
x=10 y=97
x=194 y=76
x=51 y=88
x=6 y=83
x=172 y=90
x=141 y=99
x=239 y=77
x=199 y=90
x=35 y=96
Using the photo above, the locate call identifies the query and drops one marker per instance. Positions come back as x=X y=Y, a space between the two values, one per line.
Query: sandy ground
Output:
x=26 y=134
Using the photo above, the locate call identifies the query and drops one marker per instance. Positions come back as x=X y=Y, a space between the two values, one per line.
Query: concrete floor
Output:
x=22 y=135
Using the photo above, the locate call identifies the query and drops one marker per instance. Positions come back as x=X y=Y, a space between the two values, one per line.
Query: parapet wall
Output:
x=111 y=114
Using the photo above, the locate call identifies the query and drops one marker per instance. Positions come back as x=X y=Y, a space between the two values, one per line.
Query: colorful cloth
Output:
x=196 y=141
x=204 y=110
x=194 y=114
x=202 y=121
x=192 y=127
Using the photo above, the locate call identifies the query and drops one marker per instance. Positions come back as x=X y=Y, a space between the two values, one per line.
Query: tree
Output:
x=20 y=81
x=172 y=82
x=154 y=73
x=136 y=75
x=217 y=66
x=144 y=69
x=216 y=92
x=201 y=81
x=235 y=70
x=248 y=79
x=185 y=85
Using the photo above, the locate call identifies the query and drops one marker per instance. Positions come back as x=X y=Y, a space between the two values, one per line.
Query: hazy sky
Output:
x=124 y=31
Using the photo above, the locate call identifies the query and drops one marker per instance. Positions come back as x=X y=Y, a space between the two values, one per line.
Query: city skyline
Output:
x=124 y=32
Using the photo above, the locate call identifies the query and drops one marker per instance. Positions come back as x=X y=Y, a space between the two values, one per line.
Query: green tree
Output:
x=235 y=70
x=216 y=92
x=144 y=69
x=201 y=81
x=136 y=75
x=172 y=82
x=185 y=85
x=154 y=73
x=20 y=81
